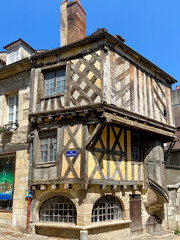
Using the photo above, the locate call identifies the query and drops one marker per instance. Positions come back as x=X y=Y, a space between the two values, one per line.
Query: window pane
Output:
x=6 y=181
x=48 y=149
x=13 y=108
x=49 y=83
x=106 y=208
x=60 y=80
x=56 y=212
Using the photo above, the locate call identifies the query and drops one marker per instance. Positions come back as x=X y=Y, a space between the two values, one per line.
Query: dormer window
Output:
x=12 y=109
x=54 y=82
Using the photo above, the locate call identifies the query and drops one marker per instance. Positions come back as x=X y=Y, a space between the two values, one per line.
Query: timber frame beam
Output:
x=96 y=131
x=138 y=125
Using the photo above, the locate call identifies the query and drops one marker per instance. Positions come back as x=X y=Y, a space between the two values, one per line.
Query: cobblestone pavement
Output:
x=15 y=234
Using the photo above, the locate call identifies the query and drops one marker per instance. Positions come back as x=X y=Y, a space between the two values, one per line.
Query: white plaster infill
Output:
x=75 y=227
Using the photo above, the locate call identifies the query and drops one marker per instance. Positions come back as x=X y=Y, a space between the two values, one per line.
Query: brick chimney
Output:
x=73 y=22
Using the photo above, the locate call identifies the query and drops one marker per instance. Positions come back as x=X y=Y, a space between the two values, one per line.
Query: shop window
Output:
x=107 y=208
x=7 y=166
x=58 y=209
x=12 y=109
x=48 y=149
x=54 y=82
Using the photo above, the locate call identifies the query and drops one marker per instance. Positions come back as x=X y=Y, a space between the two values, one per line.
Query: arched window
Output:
x=58 y=209
x=106 y=208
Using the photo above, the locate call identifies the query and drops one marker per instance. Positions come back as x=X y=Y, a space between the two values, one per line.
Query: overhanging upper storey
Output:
x=100 y=69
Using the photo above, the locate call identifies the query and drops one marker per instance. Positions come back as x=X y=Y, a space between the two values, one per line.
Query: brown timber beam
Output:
x=138 y=125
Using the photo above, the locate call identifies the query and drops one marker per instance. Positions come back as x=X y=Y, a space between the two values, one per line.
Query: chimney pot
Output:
x=177 y=87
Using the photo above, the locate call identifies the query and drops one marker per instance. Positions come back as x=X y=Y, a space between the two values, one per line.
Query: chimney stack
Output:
x=73 y=22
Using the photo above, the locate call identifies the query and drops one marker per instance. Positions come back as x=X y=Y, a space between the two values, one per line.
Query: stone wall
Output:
x=16 y=143
x=84 y=202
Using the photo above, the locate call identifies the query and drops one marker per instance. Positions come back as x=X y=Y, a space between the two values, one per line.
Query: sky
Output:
x=150 y=27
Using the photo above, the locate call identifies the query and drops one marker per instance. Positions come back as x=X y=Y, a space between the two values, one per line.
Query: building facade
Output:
x=173 y=171
x=100 y=113
x=14 y=129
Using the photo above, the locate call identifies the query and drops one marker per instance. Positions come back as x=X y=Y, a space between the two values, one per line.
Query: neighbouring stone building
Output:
x=14 y=128
x=100 y=114
x=172 y=209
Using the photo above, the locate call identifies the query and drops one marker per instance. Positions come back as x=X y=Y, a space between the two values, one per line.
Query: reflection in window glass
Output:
x=7 y=166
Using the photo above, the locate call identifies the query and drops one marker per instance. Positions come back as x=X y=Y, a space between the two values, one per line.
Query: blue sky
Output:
x=150 y=27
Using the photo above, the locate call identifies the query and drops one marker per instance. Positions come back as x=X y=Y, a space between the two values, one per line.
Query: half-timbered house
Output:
x=100 y=113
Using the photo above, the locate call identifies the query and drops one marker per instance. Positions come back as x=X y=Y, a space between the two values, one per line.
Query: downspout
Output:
x=30 y=162
x=29 y=185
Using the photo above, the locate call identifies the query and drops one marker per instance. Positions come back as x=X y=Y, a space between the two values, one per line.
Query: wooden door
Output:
x=135 y=214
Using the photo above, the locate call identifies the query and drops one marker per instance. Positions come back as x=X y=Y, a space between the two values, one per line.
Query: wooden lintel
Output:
x=138 y=125
x=94 y=134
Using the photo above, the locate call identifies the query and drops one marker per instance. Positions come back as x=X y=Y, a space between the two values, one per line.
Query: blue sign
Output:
x=72 y=153
x=29 y=194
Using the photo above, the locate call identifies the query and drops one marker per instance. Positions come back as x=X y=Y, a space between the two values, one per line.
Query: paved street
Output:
x=15 y=234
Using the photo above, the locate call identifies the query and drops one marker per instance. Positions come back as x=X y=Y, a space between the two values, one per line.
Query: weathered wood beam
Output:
x=138 y=125
x=94 y=134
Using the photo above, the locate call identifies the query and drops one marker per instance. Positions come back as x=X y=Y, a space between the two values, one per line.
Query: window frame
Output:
x=136 y=146
x=15 y=108
x=65 y=206
x=48 y=137
x=55 y=70
x=107 y=209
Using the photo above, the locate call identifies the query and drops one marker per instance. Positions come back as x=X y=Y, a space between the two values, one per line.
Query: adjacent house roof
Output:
x=20 y=40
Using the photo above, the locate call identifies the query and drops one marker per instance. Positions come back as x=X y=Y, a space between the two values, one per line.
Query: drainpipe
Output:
x=29 y=185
